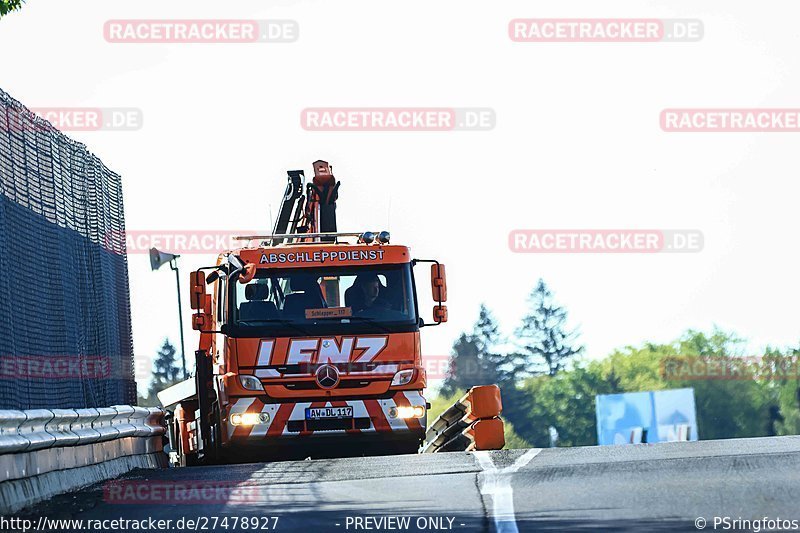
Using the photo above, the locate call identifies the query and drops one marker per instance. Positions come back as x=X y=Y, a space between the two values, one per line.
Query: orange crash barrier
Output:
x=472 y=423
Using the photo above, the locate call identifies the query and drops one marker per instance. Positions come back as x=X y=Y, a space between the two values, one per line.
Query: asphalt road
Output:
x=633 y=488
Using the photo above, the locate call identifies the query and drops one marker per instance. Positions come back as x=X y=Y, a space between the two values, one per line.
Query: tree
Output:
x=496 y=367
x=7 y=6
x=726 y=408
x=474 y=360
x=545 y=343
x=165 y=370
x=486 y=331
x=779 y=372
x=464 y=365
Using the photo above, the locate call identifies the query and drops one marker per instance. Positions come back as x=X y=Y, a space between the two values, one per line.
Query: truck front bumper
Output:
x=379 y=418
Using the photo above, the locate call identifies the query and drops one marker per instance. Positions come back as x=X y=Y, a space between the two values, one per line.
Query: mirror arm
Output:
x=422 y=322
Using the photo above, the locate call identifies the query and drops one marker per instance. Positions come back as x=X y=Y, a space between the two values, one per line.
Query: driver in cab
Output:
x=368 y=297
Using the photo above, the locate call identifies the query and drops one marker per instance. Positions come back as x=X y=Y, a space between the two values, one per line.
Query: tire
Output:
x=215 y=455
x=185 y=459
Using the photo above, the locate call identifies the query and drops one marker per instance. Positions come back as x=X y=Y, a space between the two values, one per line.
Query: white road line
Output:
x=496 y=483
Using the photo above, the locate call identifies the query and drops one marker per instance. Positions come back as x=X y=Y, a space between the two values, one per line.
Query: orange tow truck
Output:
x=309 y=342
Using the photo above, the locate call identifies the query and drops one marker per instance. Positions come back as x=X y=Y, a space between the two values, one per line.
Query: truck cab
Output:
x=309 y=343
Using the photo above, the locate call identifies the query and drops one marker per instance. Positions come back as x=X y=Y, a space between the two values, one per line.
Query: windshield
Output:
x=372 y=297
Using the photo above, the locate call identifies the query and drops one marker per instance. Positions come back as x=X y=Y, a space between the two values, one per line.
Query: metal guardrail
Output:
x=44 y=452
x=472 y=423
x=38 y=429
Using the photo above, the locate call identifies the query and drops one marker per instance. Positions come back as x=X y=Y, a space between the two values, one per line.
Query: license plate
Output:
x=322 y=413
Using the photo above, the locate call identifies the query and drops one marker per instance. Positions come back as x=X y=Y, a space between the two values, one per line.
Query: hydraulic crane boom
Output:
x=312 y=212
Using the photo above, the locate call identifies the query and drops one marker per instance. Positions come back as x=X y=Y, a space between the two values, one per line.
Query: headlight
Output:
x=251 y=383
x=404 y=377
x=249 y=419
x=407 y=411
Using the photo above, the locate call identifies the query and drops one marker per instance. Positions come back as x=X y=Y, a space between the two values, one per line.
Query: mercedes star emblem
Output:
x=327 y=376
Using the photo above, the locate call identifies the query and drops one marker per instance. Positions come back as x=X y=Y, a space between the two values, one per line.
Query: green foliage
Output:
x=787 y=391
x=636 y=369
x=788 y=402
x=565 y=401
x=726 y=408
x=513 y=440
x=7 y=6
x=748 y=406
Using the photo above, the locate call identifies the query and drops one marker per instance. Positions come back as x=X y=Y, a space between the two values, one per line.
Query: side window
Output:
x=330 y=286
x=221 y=301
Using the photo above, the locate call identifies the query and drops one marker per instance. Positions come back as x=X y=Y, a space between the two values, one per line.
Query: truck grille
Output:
x=312 y=385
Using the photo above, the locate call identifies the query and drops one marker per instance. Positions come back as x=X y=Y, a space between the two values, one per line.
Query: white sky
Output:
x=577 y=145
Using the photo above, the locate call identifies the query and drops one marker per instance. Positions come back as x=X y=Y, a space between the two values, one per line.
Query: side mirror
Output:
x=438 y=283
x=197 y=289
x=438 y=290
x=199 y=322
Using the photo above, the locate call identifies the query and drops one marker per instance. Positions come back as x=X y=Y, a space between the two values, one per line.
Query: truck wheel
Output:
x=215 y=455
x=184 y=458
